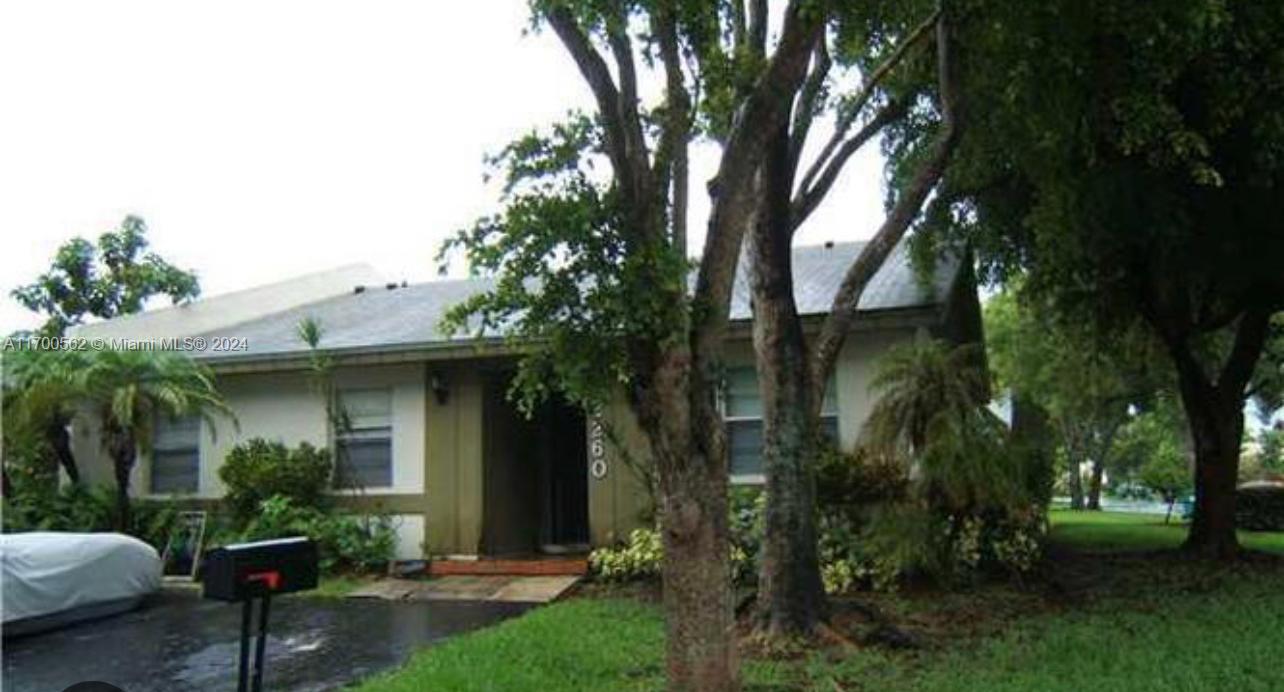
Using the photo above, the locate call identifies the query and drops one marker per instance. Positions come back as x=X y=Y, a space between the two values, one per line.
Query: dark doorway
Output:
x=535 y=476
x=564 y=483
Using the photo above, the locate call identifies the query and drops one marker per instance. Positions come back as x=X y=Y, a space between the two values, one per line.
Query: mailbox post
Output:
x=246 y=572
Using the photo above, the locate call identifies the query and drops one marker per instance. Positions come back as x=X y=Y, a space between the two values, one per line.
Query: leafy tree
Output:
x=39 y=388
x=1270 y=443
x=1154 y=452
x=114 y=278
x=1127 y=158
x=592 y=273
x=1085 y=378
x=129 y=389
x=883 y=45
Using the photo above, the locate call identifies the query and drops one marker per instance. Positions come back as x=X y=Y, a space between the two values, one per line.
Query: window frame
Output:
x=160 y=418
x=361 y=433
x=827 y=412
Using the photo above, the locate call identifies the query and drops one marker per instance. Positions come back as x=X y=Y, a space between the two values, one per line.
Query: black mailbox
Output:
x=244 y=571
x=249 y=572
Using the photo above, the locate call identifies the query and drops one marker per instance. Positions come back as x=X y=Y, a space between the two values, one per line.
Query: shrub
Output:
x=257 y=470
x=1260 y=507
x=344 y=542
x=637 y=559
x=34 y=505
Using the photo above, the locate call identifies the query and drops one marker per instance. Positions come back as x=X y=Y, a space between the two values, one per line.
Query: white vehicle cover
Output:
x=45 y=573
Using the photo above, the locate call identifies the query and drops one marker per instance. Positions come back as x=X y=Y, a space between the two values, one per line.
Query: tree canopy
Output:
x=1125 y=159
x=115 y=277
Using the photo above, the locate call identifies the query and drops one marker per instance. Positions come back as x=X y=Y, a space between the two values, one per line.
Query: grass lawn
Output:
x=1120 y=531
x=1100 y=618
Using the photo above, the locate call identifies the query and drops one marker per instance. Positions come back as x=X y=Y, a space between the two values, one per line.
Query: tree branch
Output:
x=842 y=312
x=1250 y=337
x=766 y=109
x=808 y=199
x=671 y=167
x=920 y=32
x=758 y=11
x=598 y=76
x=808 y=102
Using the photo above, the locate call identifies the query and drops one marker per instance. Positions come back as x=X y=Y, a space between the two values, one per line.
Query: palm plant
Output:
x=40 y=391
x=129 y=389
x=932 y=409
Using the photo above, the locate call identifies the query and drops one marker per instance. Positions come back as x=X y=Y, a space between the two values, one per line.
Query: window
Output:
x=742 y=411
x=363 y=451
x=176 y=455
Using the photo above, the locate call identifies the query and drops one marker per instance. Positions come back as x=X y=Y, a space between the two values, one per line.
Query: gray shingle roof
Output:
x=409 y=316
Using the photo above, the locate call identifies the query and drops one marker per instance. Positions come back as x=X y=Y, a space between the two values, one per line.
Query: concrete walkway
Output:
x=489 y=588
x=180 y=642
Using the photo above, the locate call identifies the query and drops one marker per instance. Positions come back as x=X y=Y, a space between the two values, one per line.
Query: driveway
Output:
x=180 y=642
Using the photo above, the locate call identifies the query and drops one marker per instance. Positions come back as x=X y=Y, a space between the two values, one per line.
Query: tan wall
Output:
x=438 y=447
x=454 y=464
x=286 y=407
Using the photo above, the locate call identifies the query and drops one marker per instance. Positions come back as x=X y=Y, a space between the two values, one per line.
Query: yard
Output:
x=1107 y=615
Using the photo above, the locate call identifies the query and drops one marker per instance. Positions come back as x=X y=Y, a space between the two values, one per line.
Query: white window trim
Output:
x=147 y=493
x=336 y=437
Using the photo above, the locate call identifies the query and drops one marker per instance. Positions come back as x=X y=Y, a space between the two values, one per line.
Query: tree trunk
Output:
x=122 y=449
x=1075 y=479
x=791 y=596
x=1094 y=485
x=60 y=443
x=688 y=442
x=1215 y=414
x=1217 y=431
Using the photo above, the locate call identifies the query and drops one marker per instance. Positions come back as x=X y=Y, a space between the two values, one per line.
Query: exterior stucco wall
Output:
x=618 y=501
x=286 y=407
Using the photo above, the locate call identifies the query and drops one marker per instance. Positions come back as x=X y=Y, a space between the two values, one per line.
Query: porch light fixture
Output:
x=440 y=387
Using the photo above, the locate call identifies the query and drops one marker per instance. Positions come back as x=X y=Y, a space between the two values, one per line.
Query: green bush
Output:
x=1260 y=508
x=344 y=541
x=257 y=470
x=636 y=560
x=35 y=505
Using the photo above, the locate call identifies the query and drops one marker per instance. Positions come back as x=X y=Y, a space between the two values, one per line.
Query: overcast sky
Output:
x=262 y=140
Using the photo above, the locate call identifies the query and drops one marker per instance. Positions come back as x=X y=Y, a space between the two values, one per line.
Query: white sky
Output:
x=262 y=140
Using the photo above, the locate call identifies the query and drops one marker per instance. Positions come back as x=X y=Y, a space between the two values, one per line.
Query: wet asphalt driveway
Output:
x=179 y=642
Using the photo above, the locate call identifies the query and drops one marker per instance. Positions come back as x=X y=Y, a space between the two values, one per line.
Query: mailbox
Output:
x=244 y=571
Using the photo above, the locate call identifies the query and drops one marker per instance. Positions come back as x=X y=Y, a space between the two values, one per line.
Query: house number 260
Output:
x=597 y=449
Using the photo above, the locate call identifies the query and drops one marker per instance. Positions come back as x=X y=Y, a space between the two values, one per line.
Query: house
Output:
x=433 y=439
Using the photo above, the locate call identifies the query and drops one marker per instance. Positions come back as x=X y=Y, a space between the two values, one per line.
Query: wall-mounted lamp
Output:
x=440 y=387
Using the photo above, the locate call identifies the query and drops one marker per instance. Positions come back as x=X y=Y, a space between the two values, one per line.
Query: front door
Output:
x=565 y=478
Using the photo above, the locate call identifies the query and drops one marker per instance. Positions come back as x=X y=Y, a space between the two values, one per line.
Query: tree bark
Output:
x=60 y=443
x=678 y=412
x=1075 y=482
x=1215 y=413
x=791 y=596
x=122 y=448
x=1094 y=485
x=1217 y=429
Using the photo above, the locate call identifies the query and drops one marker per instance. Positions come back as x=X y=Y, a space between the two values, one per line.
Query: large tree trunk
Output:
x=1094 y=484
x=791 y=596
x=689 y=448
x=1215 y=413
x=1217 y=431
